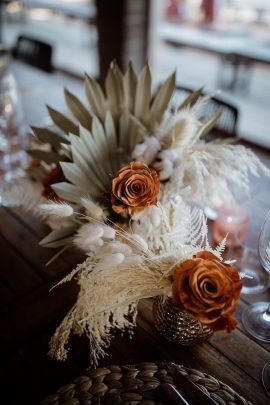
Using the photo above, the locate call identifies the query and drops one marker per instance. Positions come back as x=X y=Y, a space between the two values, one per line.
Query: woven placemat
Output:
x=136 y=384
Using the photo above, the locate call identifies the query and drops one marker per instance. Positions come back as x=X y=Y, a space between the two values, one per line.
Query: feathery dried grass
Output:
x=56 y=210
x=205 y=170
x=110 y=290
x=108 y=299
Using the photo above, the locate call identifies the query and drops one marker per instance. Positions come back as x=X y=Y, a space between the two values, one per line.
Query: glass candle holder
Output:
x=13 y=130
x=232 y=221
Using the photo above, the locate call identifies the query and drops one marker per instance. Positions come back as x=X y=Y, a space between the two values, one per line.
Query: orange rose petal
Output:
x=208 y=289
x=225 y=322
x=206 y=256
x=134 y=188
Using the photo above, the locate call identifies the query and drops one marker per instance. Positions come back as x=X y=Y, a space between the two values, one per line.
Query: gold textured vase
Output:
x=177 y=325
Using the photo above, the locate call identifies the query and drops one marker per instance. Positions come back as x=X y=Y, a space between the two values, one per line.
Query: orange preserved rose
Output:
x=134 y=188
x=208 y=289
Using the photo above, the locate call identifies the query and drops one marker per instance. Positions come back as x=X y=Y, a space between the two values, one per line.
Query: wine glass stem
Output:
x=266 y=315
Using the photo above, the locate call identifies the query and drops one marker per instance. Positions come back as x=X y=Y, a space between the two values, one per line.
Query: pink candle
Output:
x=232 y=221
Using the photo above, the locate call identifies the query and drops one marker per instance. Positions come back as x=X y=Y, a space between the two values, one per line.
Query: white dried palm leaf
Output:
x=78 y=110
x=191 y=99
x=161 y=101
x=130 y=84
x=115 y=90
x=95 y=158
x=143 y=95
x=125 y=93
x=62 y=122
x=95 y=97
x=68 y=192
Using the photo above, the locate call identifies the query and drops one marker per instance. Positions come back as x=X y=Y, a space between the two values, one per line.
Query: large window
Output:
x=67 y=25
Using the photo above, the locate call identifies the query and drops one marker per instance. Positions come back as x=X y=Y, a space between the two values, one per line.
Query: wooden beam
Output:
x=122 y=33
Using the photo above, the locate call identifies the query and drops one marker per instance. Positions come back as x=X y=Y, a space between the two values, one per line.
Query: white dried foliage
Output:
x=56 y=210
x=91 y=236
x=108 y=232
x=122 y=272
x=232 y=163
x=88 y=237
x=113 y=247
x=109 y=261
x=123 y=286
x=221 y=247
x=197 y=170
x=139 y=242
x=165 y=163
x=201 y=172
x=150 y=214
x=179 y=225
x=179 y=129
x=147 y=151
x=126 y=265
x=57 y=215
x=170 y=141
x=132 y=260
x=93 y=210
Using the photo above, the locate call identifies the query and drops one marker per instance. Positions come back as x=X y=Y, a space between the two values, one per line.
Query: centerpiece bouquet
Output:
x=116 y=182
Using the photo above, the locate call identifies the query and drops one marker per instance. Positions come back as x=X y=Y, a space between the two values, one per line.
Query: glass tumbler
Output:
x=13 y=131
x=233 y=223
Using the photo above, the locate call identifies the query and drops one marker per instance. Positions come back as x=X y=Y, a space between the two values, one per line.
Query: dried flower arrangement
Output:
x=114 y=279
x=116 y=183
x=83 y=163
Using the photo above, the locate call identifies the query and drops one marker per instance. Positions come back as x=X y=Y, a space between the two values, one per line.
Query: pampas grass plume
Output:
x=139 y=242
x=97 y=243
x=111 y=260
x=60 y=210
x=133 y=260
x=155 y=215
x=113 y=247
x=147 y=151
x=108 y=232
x=92 y=209
x=89 y=235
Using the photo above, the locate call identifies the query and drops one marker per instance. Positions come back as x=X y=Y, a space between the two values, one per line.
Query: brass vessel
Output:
x=177 y=325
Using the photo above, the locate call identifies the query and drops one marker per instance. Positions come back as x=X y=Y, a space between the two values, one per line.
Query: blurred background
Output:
x=223 y=45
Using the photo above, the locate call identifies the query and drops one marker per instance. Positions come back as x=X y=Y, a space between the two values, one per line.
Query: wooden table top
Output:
x=29 y=313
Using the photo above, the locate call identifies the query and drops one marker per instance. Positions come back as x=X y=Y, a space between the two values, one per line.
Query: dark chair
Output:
x=227 y=123
x=34 y=52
